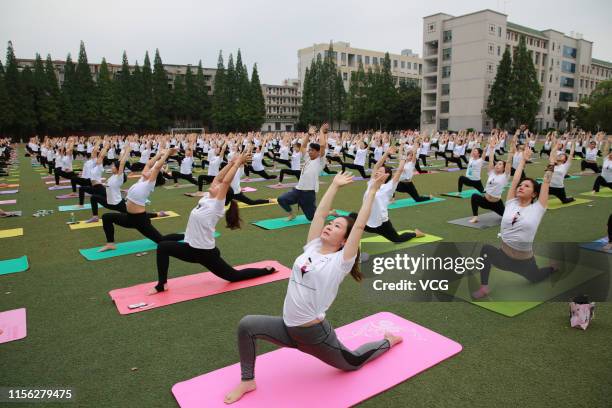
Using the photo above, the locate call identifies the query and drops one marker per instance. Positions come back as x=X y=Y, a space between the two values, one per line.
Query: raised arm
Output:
x=543 y=198
x=323 y=139
x=517 y=173
x=400 y=169
x=160 y=162
x=305 y=139
x=383 y=159
x=492 y=143
x=325 y=206
x=102 y=154
x=124 y=157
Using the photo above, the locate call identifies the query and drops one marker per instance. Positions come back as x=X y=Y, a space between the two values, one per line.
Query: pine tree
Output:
x=388 y=93
x=162 y=98
x=356 y=99
x=191 y=98
x=230 y=95
x=28 y=121
x=147 y=108
x=137 y=98
x=50 y=114
x=218 y=108
x=6 y=118
x=305 y=117
x=38 y=88
x=12 y=85
x=242 y=96
x=339 y=98
x=257 y=114
x=84 y=95
x=203 y=102
x=179 y=101
x=107 y=108
x=525 y=91
x=68 y=103
x=407 y=112
x=499 y=105
x=125 y=106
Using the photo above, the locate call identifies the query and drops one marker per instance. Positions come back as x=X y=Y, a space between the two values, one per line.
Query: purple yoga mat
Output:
x=450 y=169
x=8 y=191
x=60 y=187
x=68 y=196
x=8 y=202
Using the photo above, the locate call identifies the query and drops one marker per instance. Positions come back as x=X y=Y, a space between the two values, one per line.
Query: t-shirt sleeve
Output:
x=312 y=245
x=219 y=207
x=342 y=266
x=539 y=209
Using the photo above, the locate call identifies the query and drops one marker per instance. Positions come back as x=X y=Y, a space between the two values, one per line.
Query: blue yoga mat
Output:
x=14 y=265
x=279 y=223
x=409 y=202
x=64 y=208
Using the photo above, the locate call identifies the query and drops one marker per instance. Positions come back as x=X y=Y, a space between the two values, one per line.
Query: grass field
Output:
x=76 y=338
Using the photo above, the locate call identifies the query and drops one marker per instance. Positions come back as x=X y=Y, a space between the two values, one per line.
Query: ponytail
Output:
x=355 y=270
x=232 y=216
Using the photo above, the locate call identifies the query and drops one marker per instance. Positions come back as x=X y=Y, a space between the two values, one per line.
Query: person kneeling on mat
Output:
x=330 y=254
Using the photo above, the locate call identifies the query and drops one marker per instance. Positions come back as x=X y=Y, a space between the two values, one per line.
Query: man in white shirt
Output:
x=305 y=193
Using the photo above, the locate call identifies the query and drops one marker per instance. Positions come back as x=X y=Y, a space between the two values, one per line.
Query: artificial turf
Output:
x=77 y=339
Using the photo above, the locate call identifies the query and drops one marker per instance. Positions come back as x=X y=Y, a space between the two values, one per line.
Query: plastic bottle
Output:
x=72 y=219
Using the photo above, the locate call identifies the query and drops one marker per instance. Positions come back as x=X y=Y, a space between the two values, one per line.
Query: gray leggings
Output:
x=319 y=341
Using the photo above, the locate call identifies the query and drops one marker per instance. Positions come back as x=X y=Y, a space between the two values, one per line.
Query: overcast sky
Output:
x=268 y=32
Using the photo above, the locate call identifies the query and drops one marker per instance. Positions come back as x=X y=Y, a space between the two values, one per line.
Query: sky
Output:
x=268 y=33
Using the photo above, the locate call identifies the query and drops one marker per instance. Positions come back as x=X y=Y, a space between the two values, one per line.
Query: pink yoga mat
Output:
x=12 y=325
x=61 y=182
x=68 y=196
x=288 y=377
x=281 y=186
x=252 y=180
x=191 y=287
x=8 y=202
x=60 y=187
x=248 y=189
x=8 y=191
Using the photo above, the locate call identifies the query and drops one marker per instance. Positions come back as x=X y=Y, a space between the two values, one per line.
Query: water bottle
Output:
x=72 y=220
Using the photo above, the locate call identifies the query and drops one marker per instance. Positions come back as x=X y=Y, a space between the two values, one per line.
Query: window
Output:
x=537 y=58
x=446 y=71
x=367 y=60
x=550 y=79
x=394 y=63
x=408 y=63
x=530 y=41
x=446 y=54
x=431 y=27
x=499 y=31
x=548 y=110
x=445 y=89
x=582 y=83
x=447 y=36
x=542 y=76
x=569 y=52
x=343 y=58
x=359 y=59
x=553 y=46
x=489 y=67
x=403 y=64
x=566 y=97
x=375 y=60
x=492 y=29
x=498 y=51
x=444 y=107
x=548 y=94
x=567 y=82
x=491 y=48
x=443 y=124
x=568 y=67
x=345 y=76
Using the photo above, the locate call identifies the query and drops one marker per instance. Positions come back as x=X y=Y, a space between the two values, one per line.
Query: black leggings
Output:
x=357 y=167
x=96 y=199
x=249 y=169
x=209 y=258
x=479 y=201
x=289 y=172
x=440 y=154
x=559 y=192
x=140 y=222
x=408 y=187
x=83 y=182
x=423 y=158
x=386 y=230
x=240 y=196
x=189 y=177
x=527 y=268
x=91 y=189
x=456 y=160
x=286 y=162
x=65 y=174
x=589 y=165
x=523 y=175
x=600 y=181
x=477 y=184
x=204 y=178
x=335 y=159
x=138 y=166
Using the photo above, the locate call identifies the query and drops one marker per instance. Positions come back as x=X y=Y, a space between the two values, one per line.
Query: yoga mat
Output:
x=14 y=265
x=69 y=196
x=11 y=214
x=83 y=224
x=554 y=203
x=359 y=178
x=507 y=285
x=463 y=194
x=485 y=220
x=123 y=248
x=9 y=233
x=390 y=246
x=64 y=208
x=11 y=180
x=191 y=287
x=603 y=193
x=3 y=202
x=288 y=377
x=540 y=179
x=451 y=169
x=409 y=202
x=172 y=187
x=12 y=325
x=252 y=180
x=60 y=187
x=10 y=185
x=281 y=186
x=279 y=223
x=597 y=245
x=61 y=182
x=8 y=191
x=243 y=205
x=248 y=190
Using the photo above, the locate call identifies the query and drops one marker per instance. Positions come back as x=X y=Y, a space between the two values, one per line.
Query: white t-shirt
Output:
x=516 y=160
x=296 y=158
x=495 y=184
x=235 y=184
x=559 y=175
x=67 y=162
x=96 y=171
x=606 y=171
x=591 y=154
x=519 y=225
x=113 y=189
x=87 y=166
x=313 y=284
x=144 y=156
x=407 y=171
x=140 y=191
x=473 y=169
x=309 y=179
x=186 y=165
x=258 y=161
x=200 y=232
x=213 y=165
x=380 y=213
x=284 y=152
x=360 y=157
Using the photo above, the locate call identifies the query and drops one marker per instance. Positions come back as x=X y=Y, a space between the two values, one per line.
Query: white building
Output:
x=283 y=104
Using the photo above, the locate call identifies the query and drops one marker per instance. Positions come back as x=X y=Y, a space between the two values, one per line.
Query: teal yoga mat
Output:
x=279 y=223
x=409 y=202
x=123 y=248
x=14 y=265
x=64 y=208
x=463 y=194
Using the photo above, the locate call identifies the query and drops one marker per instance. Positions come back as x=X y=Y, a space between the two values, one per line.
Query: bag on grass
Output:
x=581 y=312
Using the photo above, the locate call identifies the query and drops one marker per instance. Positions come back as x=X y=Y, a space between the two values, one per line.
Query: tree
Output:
x=12 y=85
x=203 y=100
x=257 y=112
x=229 y=100
x=191 y=98
x=6 y=118
x=50 y=114
x=242 y=96
x=594 y=114
x=27 y=114
x=559 y=114
x=162 y=102
x=356 y=99
x=179 y=100
x=525 y=91
x=125 y=97
x=407 y=111
x=84 y=92
x=68 y=102
x=107 y=108
x=218 y=104
x=306 y=114
x=499 y=107
x=147 y=106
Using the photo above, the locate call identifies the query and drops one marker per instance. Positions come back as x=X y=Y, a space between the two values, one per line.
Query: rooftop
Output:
x=531 y=31
x=601 y=62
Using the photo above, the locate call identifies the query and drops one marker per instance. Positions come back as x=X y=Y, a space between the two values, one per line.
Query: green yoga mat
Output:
x=279 y=223
x=603 y=193
x=64 y=208
x=123 y=248
x=385 y=245
x=540 y=179
x=508 y=285
x=463 y=194
x=555 y=203
x=409 y=202
x=14 y=265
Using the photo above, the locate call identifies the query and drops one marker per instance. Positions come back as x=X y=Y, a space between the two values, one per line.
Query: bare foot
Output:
x=163 y=214
x=474 y=220
x=607 y=247
x=593 y=192
x=272 y=200
x=175 y=185
x=392 y=339
x=419 y=233
x=237 y=393
x=108 y=247
x=79 y=206
x=154 y=291
x=291 y=217
x=482 y=292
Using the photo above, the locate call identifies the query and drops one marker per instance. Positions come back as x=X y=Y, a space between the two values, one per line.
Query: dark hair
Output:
x=479 y=150
x=232 y=216
x=115 y=163
x=315 y=146
x=389 y=173
x=536 y=187
x=350 y=222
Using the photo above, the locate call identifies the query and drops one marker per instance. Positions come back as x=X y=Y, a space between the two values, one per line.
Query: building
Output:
x=460 y=58
x=172 y=71
x=283 y=104
x=406 y=66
